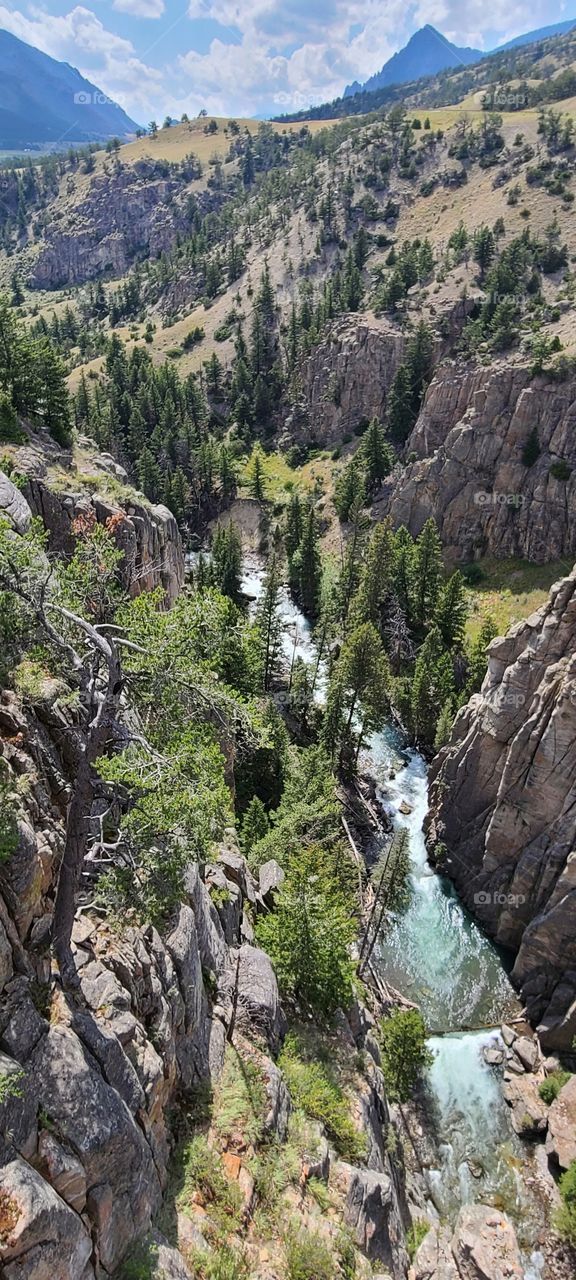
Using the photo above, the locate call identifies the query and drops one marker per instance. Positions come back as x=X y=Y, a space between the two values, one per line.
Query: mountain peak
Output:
x=426 y=53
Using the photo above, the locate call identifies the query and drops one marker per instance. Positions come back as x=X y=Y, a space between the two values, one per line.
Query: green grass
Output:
x=203 y=1174
x=307 y=1256
x=511 y=590
x=316 y=1092
x=239 y=1100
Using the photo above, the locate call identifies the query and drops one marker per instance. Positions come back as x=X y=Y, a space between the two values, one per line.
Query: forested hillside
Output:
x=286 y=448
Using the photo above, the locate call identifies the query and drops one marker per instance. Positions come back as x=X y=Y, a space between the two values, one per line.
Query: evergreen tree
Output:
x=309 y=566
x=227 y=560
x=451 y=611
x=427 y=571
x=378 y=457
x=432 y=687
x=268 y=620
x=255 y=825
x=256 y=481
x=376 y=578
x=400 y=412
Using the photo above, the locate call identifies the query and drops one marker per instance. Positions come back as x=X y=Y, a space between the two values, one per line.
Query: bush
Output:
x=405 y=1054
x=565 y=1218
x=551 y=1086
x=415 y=1235
x=10 y=432
x=203 y=1173
x=314 y=1091
x=307 y=1256
x=560 y=470
x=531 y=450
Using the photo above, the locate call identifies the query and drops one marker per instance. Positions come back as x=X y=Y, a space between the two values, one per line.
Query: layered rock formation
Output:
x=503 y=808
x=134 y=211
x=472 y=475
x=147 y=535
x=84 y=1138
x=346 y=378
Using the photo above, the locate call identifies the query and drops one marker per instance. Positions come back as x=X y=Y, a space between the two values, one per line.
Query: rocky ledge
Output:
x=503 y=808
x=495 y=464
x=148 y=535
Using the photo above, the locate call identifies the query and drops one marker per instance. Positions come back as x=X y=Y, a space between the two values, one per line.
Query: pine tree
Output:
x=451 y=611
x=255 y=825
x=227 y=561
x=268 y=620
x=359 y=684
x=310 y=566
x=378 y=457
x=478 y=660
x=432 y=687
x=293 y=530
x=484 y=249
x=427 y=571
x=256 y=481
x=400 y=413
x=376 y=578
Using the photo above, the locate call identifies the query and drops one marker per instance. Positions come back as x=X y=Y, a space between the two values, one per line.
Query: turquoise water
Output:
x=436 y=955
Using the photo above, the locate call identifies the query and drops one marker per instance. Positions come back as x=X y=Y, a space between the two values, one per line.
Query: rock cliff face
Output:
x=148 y=535
x=503 y=803
x=84 y=1137
x=136 y=210
x=471 y=474
x=347 y=376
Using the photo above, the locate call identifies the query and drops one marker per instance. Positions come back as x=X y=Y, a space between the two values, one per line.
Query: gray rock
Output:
x=561 y=1140
x=484 y=1245
x=258 y=1008
x=45 y=1239
x=6 y=966
x=371 y=1211
x=94 y=1122
x=271 y=878
x=13 y=505
x=279 y=1104
x=62 y=1170
x=529 y=1112
x=526 y=1049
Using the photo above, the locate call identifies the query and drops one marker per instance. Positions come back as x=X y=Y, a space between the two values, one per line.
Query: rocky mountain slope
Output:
x=473 y=472
x=426 y=52
x=503 y=808
x=45 y=101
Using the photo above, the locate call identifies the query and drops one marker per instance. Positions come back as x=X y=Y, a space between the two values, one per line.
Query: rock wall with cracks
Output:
x=470 y=472
x=84 y=1140
x=503 y=803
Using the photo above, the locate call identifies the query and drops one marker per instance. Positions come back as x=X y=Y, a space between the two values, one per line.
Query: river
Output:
x=437 y=956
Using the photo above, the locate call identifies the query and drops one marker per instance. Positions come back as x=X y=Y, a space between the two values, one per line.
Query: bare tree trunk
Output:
x=77 y=825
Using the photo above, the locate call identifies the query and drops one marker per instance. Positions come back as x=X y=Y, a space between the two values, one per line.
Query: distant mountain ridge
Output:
x=43 y=101
x=428 y=52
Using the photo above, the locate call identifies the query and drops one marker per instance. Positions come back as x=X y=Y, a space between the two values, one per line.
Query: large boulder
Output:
x=41 y=1238
x=91 y=1119
x=529 y=1112
x=251 y=988
x=484 y=1245
x=561 y=1140
x=13 y=505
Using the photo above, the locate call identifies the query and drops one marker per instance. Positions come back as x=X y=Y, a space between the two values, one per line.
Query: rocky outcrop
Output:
x=503 y=808
x=561 y=1139
x=483 y=1246
x=134 y=211
x=346 y=378
x=147 y=535
x=471 y=472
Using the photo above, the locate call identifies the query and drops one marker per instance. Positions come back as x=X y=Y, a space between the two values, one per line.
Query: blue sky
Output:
x=250 y=57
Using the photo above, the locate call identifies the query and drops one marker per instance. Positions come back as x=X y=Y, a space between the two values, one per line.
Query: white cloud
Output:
x=107 y=59
x=140 y=8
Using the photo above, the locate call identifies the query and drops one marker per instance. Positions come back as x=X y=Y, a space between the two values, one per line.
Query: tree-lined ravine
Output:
x=435 y=955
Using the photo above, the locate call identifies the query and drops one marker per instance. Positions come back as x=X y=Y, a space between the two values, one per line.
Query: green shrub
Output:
x=560 y=470
x=405 y=1054
x=315 y=1092
x=307 y=1256
x=551 y=1086
x=239 y=1099
x=203 y=1173
x=565 y=1218
x=531 y=450
x=415 y=1235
